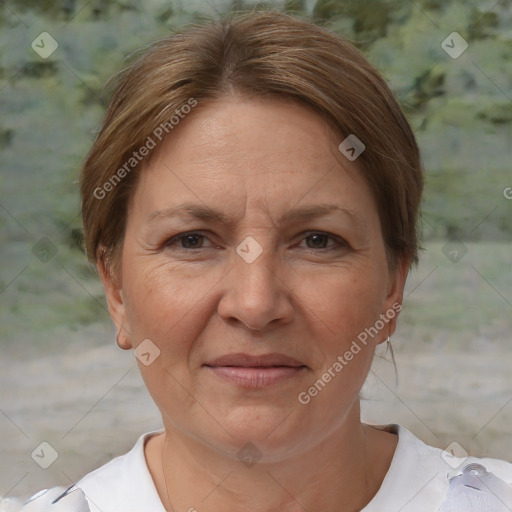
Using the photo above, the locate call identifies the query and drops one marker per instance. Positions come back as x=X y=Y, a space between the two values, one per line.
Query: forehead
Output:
x=257 y=154
x=236 y=130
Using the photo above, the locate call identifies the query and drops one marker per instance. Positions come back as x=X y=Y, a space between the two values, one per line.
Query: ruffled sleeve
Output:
x=57 y=499
x=477 y=490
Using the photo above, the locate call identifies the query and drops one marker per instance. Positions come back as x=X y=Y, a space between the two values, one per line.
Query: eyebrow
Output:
x=301 y=213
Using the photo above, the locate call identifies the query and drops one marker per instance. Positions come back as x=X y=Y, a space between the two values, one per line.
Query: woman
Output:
x=228 y=152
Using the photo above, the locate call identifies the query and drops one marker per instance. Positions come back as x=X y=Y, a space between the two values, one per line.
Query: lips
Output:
x=255 y=371
x=255 y=361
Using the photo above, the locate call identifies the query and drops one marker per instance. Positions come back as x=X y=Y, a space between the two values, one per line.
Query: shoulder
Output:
x=452 y=459
x=57 y=499
x=423 y=478
x=124 y=483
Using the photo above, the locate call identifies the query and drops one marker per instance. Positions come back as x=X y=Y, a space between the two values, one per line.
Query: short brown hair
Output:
x=257 y=54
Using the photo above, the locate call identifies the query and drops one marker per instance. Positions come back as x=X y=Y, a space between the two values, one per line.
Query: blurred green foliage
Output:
x=50 y=109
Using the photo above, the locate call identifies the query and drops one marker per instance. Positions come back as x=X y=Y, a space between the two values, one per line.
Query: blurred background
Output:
x=64 y=382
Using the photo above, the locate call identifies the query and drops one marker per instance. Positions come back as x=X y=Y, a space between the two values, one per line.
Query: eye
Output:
x=319 y=240
x=314 y=240
x=191 y=240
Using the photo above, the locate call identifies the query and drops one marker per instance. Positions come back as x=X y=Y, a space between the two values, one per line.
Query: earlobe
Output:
x=112 y=284
x=122 y=340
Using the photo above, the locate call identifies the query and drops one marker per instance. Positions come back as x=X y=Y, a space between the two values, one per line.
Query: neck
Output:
x=341 y=473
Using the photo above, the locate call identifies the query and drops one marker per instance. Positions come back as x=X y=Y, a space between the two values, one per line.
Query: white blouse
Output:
x=421 y=478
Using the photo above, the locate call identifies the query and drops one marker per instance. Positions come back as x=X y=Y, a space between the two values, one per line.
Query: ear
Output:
x=113 y=285
x=395 y=295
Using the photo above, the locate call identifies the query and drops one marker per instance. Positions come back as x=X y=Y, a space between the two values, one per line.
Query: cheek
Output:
x=167 y=306
x=160 y=302
x=345 y=301
x=341 y=307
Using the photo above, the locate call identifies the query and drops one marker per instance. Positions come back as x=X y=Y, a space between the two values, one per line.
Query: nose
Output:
x=256 y=292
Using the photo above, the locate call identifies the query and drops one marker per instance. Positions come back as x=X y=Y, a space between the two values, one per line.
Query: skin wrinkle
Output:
x=160 y=222
x=306 y=303
x=200 y=212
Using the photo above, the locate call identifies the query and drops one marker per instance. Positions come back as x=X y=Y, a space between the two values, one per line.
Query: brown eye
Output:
x=186 y=241
x=191 y=241
x=324 y=241
x=317 y=241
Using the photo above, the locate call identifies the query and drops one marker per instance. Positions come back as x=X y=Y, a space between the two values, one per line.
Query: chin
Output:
x=271 y=432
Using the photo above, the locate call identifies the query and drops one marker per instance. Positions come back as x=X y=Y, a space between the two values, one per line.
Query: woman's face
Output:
x=253 y=261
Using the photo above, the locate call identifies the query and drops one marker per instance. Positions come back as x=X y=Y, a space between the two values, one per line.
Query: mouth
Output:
x=259 y=371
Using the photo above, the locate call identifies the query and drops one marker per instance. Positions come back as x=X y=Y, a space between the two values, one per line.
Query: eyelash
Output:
x=339 y=243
